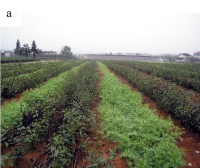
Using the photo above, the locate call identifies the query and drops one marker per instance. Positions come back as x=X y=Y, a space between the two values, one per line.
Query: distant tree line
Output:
x=25 y=49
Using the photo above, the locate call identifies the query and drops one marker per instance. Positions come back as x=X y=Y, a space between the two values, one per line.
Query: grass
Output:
x=144 y=138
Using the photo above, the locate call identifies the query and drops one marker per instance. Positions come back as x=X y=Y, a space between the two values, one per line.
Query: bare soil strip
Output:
x=189 y=141
x=17 y=98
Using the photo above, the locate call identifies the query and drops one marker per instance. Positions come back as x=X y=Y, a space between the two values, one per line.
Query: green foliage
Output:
x=16 y=59
x=50 y=93
x=7 y=159
x=33 y=114
x=144 y=138
x=17 y=49
x=186 y=75
x=171 y=58
x=82 y=92
x=37 y=110
x=34 y=48
x=66 y=51
x=175 y=100
x=11 y=70
x=14 y=85
x=25 y=50
x=95 y=157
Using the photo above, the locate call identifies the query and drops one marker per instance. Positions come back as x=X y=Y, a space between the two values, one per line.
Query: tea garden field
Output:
x=52 y=122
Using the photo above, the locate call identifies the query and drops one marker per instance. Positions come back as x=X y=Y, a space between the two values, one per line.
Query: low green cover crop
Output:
x=144 y=138
x=173 y=99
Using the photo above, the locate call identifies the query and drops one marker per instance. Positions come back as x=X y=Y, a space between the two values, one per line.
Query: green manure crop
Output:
x=173 y=99
x=144 y=138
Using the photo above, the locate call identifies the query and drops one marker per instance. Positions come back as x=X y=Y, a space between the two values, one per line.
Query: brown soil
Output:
x=17 y=98
x=103 y=150
x=188 y=141
x=28 y=159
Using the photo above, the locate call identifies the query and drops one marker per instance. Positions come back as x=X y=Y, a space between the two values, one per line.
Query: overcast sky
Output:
x=106 y=26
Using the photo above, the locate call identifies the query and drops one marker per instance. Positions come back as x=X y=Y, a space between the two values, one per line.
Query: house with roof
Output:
x=197 y=54
x=183 y=57
x=8 y=53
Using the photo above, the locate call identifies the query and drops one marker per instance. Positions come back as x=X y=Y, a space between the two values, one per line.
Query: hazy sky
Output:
x=106 y=26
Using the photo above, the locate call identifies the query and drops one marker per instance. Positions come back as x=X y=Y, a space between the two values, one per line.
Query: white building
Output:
x=197 y=54
x=183 y=57
x=8 y=53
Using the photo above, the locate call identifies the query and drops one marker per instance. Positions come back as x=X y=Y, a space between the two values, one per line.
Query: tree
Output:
x=18 y=51
x=34 y=48
x=18 y=48
x=66 y=51
x=26 y=49
x=171 y=58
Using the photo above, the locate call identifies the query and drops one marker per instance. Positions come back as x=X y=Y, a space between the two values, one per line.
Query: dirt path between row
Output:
x=17 y=98
x=189 y=141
